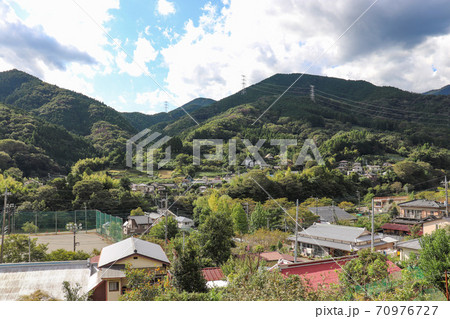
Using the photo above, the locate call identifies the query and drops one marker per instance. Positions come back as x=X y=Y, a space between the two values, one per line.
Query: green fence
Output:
x=109 y=226
x=49 y=222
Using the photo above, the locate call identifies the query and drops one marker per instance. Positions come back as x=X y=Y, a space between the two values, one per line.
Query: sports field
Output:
x=87 y=242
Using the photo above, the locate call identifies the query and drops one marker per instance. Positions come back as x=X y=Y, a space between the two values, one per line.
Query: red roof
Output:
x=324 y=272
x=213 y=274
x=95 y=259
x=275 y=256
x=396 y=227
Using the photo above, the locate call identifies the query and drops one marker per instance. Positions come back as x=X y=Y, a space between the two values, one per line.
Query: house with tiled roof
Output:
x=414 y=213
x=320 y=240
x=214 y=277
x=109 y=282
x=331 y=214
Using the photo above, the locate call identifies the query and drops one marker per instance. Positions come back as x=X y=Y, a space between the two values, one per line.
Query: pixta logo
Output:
x=143 y=141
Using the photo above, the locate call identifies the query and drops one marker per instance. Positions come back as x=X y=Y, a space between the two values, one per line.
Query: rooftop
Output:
x=334 y=232
x=213 y=274
x=122 y=249
x=410 y=244
x=331 y=213
x=21 y=279
x=423 y=203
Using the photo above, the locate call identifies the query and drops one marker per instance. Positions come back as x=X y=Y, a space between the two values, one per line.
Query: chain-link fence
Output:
x=109 y=226
x=48 y=221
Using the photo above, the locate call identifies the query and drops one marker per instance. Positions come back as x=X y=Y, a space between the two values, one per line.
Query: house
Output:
x=405 y=248
x=331 y=214
x=320 y=240
x=421 y=208
x=384 y=204
x=184 y=222
x=343 y=166
x=137 y=224
x=373 y=168
x=324 y=273
x=432 y=225
x=22 y=279
x=109 y=281
x=274 y=257
x=102 y=275
x=143 y=188
x=414 y=213
x=357 y=168
x=214 y=277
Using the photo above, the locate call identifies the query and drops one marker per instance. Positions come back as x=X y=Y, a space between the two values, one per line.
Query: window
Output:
x=135 y=257
x=114 y=286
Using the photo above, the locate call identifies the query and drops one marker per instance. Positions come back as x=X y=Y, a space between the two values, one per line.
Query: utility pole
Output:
x=246 y=213
x=359 y=202
x=296 y=231
x=446 y=196
x=3 y=222
x=85 y=217
x=373 y=230
x=165 y=214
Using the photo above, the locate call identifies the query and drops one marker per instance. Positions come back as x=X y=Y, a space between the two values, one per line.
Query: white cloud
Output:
x=143 y=54
x=165 y=7
x=153 y=100
x=259 y=38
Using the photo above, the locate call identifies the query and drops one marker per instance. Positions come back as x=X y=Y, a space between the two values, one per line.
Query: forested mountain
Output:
x=442 y=91
x=352 y=120
x=74 y=111
x=142 y=121
x=337 y=105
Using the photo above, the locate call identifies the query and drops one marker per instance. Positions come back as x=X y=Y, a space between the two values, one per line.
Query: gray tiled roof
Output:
x=334 y=232
x=422 y=203
x=130 y=246
x=410 y=244
x=141 y=220
x=330 y=213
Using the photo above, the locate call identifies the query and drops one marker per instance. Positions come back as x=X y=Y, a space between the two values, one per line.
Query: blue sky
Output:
x=202 y=48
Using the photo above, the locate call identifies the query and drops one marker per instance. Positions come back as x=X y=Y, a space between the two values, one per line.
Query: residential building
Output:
x=184 y=222
x=109 y=281
x=320 y=240
x=143 y=188
x=274 y=257
x=384 y=204
x=137 y=224
x=414 y=213
x=432 y=225
x=421 y=208
x=331 y=214
x=405 y=248
x=214 y=277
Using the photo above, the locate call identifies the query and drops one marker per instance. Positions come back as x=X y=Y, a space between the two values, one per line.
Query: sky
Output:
x=138 y=55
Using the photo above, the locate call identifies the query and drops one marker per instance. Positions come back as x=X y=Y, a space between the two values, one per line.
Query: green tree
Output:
x=216 y=237
x=369 y=267
x=29 y=228
x=144 y=285
x=159 y=230
x=187 y=270
x=239 y=219
x=259 y=218
x=434 y=259
x=18 y=249
x=137 y=212
x=62 y=254
x=74 y=293
x=38 y=295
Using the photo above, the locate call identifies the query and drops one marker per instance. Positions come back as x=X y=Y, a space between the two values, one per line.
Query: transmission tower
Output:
x=243 y=85
x=312 y=95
